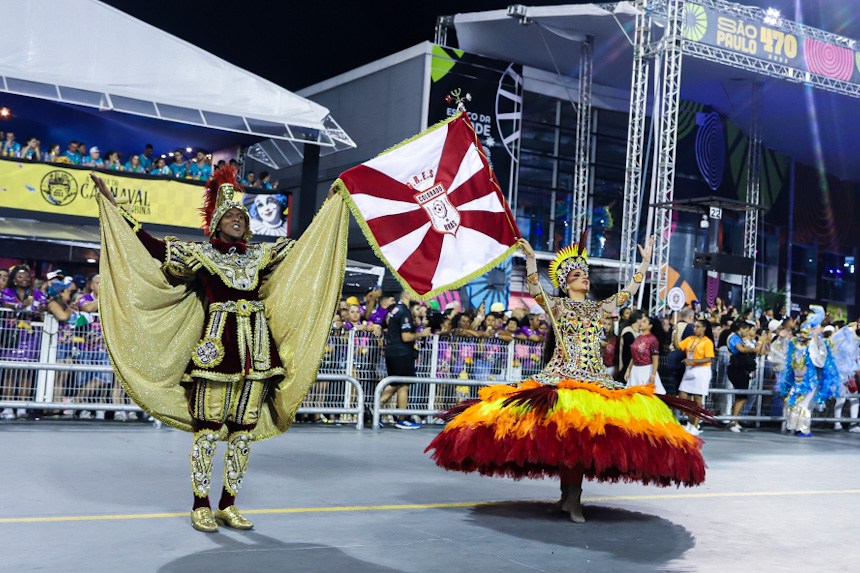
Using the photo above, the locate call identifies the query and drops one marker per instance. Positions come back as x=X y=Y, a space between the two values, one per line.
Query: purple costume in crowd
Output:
x=27 y=346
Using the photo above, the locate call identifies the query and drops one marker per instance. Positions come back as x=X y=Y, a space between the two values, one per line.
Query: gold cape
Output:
x=151 y=325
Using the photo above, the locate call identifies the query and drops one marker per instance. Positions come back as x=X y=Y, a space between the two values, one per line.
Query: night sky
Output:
x=298 y=43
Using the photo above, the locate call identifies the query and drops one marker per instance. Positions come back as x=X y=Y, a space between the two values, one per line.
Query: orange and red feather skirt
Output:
x=531 y=430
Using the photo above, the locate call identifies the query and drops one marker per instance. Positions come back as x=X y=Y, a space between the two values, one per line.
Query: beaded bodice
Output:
x=579 y=330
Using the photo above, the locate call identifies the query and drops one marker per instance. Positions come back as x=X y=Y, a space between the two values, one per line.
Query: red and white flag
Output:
x=432 y=209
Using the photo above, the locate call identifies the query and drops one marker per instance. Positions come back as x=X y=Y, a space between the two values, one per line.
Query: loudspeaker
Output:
x=722 y=263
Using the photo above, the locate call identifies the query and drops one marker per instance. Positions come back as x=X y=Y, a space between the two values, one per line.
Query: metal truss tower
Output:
x=635 y=144
x=581 y=180
x=667 y=142
x=753 y=184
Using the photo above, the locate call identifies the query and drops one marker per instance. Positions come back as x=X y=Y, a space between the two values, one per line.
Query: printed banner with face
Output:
x=432 y=209
x=62 y=189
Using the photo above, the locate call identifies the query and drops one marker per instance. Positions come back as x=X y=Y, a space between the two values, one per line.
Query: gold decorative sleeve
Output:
x=279 y=251
x=135 y=224
x=180 y=261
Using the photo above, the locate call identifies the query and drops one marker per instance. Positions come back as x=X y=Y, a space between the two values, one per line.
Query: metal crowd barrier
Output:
x=429 y=409
x=51 y=365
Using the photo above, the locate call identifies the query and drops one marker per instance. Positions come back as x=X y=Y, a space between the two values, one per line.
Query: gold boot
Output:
x=202 y=451
x=231 y=517
x=202 y=520
x=572 y=504
x=236 y=460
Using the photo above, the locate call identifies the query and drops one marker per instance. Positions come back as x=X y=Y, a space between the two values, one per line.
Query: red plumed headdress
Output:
x=218 y=199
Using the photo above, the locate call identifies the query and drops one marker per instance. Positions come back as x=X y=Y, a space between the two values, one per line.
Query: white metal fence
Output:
x=71 y=370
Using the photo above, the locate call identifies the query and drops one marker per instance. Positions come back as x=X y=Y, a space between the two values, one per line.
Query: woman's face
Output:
x=625 y=313
x=699 y=328
x=354 y=313
x=543 y=328
x=644 y=324
x=577 y=282
x=135 y=160
x=66 y=295
x=464 y=322
x=511 y=326
x=268 y=208
x=607 y=325
x=22 y=279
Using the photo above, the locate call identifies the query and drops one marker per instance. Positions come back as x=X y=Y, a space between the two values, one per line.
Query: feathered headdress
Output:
x=218 y=199
x=815 y=318
x=569 y=258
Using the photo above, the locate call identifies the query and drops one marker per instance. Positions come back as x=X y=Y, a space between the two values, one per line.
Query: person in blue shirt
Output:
x=72 y=153
x=94 y=159
x=159 y=167
x=250 y=180
x=11 y=148
x=742 y=352
x=178 y=167
x=200 y=168
x=264 y=181
x=146 y=158
x=134 y=164
x=31 y=151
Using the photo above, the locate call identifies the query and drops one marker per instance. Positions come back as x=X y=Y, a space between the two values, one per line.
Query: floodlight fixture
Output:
x=771 y=17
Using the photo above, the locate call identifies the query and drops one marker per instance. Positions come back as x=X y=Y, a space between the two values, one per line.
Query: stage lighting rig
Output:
x=771 y=17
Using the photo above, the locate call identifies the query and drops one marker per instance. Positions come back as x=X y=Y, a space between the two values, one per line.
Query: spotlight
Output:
x=91 y=261
x=771 y=17
x=5 y=112
x=163 y=156
x=188 y=149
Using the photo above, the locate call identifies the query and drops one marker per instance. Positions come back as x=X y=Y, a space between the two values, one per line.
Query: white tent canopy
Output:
x=115 y=72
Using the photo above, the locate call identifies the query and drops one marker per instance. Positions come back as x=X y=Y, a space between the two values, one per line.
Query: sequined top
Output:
x=580 y=327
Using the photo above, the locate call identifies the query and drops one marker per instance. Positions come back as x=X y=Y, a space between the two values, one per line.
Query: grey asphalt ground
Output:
x=334 y=499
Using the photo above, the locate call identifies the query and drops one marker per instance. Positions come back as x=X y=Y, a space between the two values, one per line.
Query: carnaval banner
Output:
x=714 y=27
x=432 y=209
x=62 y=189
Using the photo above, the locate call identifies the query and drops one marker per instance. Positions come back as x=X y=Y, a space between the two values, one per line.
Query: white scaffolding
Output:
x=666 y=150
x=582 y=181
x=635 y=142
x=753 y=184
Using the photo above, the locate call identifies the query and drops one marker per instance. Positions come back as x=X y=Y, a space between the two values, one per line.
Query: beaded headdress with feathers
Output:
x=218 y=199
x=569 y=258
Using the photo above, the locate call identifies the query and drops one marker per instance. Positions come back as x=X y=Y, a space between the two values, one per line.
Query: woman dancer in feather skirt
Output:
x=572 y=420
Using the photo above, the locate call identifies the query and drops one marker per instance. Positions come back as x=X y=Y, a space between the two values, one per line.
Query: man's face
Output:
x=10 y=137
x=177 y=156
x=232 y=226
x=201 y=158
x=148 y=151
x=73 y=148
x=95 y=154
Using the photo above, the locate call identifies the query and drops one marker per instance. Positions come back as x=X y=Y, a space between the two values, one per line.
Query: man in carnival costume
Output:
x=810 y=374
x=572 y=420
x=221 y=338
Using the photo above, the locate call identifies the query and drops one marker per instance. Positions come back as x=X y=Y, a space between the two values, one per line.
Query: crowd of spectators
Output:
x=73 y=301
x=179 y=164
x=677 y=354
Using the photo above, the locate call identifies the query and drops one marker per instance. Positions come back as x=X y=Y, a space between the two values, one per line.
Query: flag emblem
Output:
x=432 y=209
